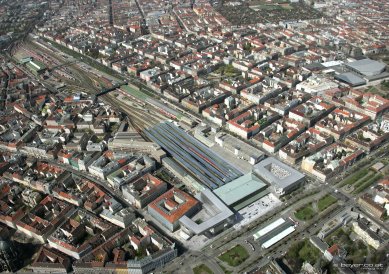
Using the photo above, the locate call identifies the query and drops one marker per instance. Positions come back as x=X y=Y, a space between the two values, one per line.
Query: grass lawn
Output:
x=305 y=213
x=134 y=92
x=361 y=181
x=228 y=70
x=235 y=256
x=202 y=269
x=301 y=252
x=308 y=252
x=77 y=218
x=325 y=202
x=361 y=187
x=358 y=175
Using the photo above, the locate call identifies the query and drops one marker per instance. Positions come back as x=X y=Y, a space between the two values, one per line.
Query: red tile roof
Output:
x=178 y=211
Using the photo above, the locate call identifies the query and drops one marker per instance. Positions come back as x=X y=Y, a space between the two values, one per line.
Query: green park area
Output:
x=228 y=70
x=301 y=252
x=355 y=177
x=310 y=210
x=361 y=180
x=363 y=184
x=202 y=269
x=305 y=213
x=325 y=202
x=235 y=256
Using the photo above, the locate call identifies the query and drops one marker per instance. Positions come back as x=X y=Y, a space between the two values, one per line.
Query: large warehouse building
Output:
x=367 y=67
x=351 y=79
x=196 y=158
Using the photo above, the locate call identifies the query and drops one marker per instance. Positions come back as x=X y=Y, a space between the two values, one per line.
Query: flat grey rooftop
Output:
x=238 y=189
x=351 y=79
x=220 y=213
x=367 y=67
x=277 y=173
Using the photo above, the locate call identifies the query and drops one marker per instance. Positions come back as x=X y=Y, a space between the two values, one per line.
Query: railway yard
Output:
x=204 y=137
x=76 y=76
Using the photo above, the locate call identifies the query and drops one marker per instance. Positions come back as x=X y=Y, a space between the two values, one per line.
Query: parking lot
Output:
x=257 y=209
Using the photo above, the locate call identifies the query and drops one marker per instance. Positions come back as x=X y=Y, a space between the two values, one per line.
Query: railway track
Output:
x=143 y=118
x=140 y=120
x=82 y=79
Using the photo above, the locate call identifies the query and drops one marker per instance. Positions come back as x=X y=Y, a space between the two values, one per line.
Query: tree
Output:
x=247 y=47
